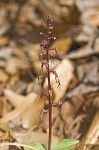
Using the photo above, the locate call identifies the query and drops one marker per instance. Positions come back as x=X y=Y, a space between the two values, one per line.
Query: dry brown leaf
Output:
x=1 y=106
x=13 y=80
x=91 y=17
x=52 y=8
x=32 y=105
x=4 y=23
x=2 y=63
x=30 y=136
x=11 y=67
x=6 y=107
x=96 y=46
x=32 y=52
x=15 y=63
x=1 y=88
x=34 y=87
x=19 y=53
x=85 y=5
x=67 y=112
x=89 y=73
x=5 y=52
x=63 y=45
x=28 y=14
x=32 y=116
x=3 y=76
x=5 y=138
x=67 y=2
x=83 y=52
x=59 y=14
x=4 y=148
x=70 y=108
x=92 y=135
x=3 y=41
x=83 y=89
x=74 y=127
x=96 y=101
x=14 y=98
x=65 y=73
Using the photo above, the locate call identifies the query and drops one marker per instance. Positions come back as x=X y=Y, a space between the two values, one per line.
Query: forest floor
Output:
x=76 y=109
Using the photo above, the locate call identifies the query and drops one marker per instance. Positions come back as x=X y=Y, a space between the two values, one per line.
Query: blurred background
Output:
x=76 y=28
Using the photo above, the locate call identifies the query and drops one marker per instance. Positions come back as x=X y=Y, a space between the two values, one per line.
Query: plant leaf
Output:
x=64 y=144
x=37 y=146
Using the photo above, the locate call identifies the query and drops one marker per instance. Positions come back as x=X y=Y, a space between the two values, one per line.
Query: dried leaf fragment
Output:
x=32 y=107
x=65 y=73
x=63 y=45
x=3 y=76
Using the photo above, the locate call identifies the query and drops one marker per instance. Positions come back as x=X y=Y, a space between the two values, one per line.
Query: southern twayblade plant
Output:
x=47 y=55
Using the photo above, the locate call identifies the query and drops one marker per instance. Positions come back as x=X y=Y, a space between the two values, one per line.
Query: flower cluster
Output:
x=47 y=54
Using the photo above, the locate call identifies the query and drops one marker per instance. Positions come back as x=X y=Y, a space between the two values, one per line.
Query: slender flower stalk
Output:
x=45 y=58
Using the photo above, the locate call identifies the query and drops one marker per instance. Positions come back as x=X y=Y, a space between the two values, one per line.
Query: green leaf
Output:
x=64 y=144
x=37 y=146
